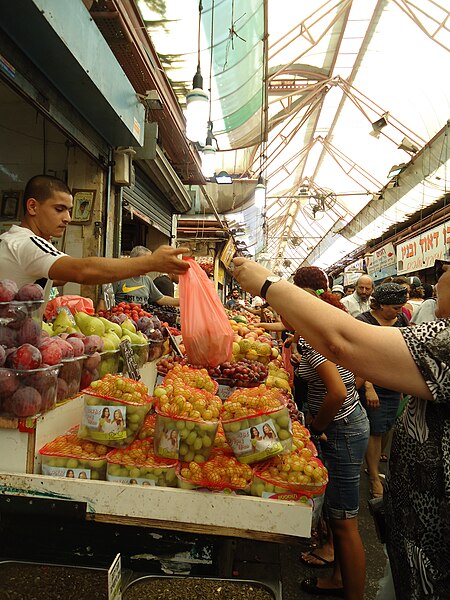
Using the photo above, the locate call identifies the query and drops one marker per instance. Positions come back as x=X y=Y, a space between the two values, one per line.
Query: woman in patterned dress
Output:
x=414 y=361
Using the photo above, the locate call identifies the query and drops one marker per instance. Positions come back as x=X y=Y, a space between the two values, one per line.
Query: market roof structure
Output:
x=321 y=99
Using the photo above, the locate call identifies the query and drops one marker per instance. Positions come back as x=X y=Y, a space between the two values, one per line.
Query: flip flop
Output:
x=384 y=458
x=325 y=563
x=310 y=585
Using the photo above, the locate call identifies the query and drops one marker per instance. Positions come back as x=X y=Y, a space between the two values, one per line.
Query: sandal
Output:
x=384 y=458
x=378 y=493
x=310 y=585
x=325 y=563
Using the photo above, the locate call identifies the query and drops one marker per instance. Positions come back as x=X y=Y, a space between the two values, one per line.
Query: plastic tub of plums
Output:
x=220 y=473
x=114 y=410
x=138 y=465
x=292 y=476
x=20 y=314
x=27 y=393
x=69 y=377
x=68 y=456
x=256 y=423
x=155 y=350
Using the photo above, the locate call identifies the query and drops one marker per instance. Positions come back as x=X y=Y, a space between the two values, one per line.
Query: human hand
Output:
x=165 y=259
x=250 y=275
x=372 y=399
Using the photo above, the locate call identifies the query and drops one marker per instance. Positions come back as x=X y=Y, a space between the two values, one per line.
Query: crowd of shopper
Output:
x=378 y=347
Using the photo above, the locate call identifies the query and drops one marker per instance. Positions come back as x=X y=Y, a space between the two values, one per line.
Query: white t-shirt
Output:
x=257 y=302
x=355 y=305
x=26 y=257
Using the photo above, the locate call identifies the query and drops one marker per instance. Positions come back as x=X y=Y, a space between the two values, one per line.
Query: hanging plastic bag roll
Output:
x=206 y=330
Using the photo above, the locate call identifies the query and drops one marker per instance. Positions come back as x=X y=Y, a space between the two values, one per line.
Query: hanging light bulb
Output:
x=197 y=109
x=260 y=193
x=209 y=156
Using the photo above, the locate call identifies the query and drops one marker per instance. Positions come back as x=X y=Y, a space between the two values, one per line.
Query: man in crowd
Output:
x=28 y=256
x=338 y=291
x=234 y=302
x=358 y=302
x=141 y=288
x=165 y=283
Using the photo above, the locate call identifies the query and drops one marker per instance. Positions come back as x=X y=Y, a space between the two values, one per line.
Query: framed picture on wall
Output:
x=10 y=204
x=83 y=202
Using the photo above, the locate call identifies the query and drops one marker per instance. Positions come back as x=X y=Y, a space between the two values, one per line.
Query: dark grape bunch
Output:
x=243 y=372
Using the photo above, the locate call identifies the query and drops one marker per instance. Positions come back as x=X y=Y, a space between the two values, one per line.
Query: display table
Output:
x=175 y=509
x=170 y=508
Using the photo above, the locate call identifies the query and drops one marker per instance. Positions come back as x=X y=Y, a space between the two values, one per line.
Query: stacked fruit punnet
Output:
x=197 y=378
x=110 y=392
x=138 y=464
x=148 y=427
x=251 y=410
x=187 y=417
x=28 y=382
x=68 y=456
x=297 y=472
x=220 y=472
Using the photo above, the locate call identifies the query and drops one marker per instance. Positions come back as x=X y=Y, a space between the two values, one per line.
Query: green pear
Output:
x=62 y=323
x=127 y=326
x=89 y=325
x=109 y=326
x=47 y=327
x=125 y=337
x=111 y=340
x=135 y=339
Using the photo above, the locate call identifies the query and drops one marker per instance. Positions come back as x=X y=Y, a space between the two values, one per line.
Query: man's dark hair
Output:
x=42 y=187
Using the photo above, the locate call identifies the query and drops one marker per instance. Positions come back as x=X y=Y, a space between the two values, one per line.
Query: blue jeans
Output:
x=343 y=455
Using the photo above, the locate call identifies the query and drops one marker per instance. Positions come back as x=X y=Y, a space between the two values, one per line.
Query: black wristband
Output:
x=314 y=432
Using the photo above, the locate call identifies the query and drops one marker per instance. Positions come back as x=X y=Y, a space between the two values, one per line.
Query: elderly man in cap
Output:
x=338 y=291
x=358 y=302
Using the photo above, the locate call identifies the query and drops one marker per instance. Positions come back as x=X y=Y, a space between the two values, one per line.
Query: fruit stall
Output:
x=102 y=422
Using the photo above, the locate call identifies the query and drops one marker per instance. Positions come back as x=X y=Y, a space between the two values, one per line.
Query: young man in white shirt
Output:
x=27 y=254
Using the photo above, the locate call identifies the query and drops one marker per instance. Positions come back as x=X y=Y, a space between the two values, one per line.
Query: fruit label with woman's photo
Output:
x=167 y=439
x=131 y=480
x=65 y=472
x=256 y=442
x=105 y=422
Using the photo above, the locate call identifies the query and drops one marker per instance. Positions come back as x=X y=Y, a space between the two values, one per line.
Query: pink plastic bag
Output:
x=74 y=303
x=206 y=330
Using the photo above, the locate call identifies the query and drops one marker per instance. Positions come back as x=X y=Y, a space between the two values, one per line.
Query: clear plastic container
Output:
x=184 y=439
x=220 y=473
x=257 y=437
x=138 y=465
x=109 y=363
x=296 y=474
x=112 y=421
x=68 y=456
x=20 y=322
x=155 y=350
x=28 y=393
x=69 y=377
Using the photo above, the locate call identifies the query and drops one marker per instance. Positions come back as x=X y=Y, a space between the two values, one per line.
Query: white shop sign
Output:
x=421 y=251
x=381 y=259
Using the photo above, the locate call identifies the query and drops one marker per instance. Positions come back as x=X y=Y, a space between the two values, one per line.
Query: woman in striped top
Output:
x=341 y=425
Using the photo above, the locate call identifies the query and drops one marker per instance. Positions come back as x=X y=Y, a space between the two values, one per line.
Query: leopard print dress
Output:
x=417 y=492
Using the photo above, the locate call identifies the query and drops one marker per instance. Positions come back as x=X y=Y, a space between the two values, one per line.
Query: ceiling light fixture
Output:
x=408 y=146
x=260 y=193
x=396 y=170
x=197 y=98
x=209 y=152
x=223 y=177
x=378 y=125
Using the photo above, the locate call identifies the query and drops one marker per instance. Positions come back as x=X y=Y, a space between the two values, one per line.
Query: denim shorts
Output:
x=343 y=455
